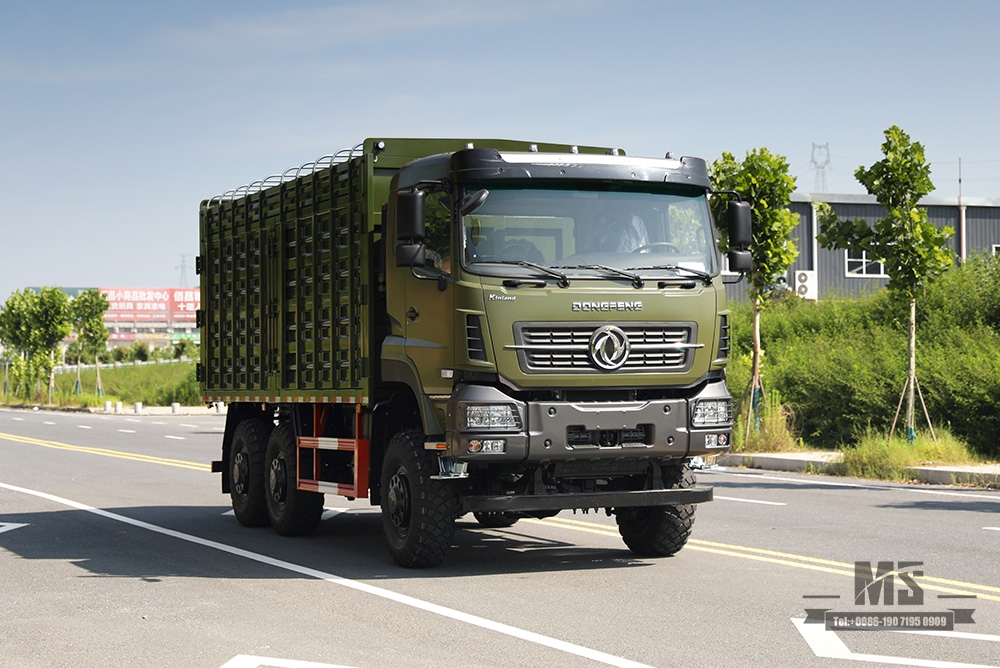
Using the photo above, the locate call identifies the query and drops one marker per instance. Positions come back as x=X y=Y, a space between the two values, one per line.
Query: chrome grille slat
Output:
x=564 y=348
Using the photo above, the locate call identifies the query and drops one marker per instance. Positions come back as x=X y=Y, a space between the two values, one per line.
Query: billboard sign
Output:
x=151 y=304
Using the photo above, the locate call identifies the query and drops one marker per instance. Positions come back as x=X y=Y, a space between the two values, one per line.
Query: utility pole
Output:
x=184 y=271
x=820 y=165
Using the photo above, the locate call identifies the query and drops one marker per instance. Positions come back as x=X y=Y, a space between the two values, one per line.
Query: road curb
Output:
x=831 y=463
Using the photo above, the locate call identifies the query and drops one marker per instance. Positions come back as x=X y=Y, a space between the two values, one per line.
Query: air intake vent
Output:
x=723 y=337
x=474 y=338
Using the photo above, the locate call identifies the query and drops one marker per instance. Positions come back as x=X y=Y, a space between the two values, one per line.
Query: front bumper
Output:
x=552 y=431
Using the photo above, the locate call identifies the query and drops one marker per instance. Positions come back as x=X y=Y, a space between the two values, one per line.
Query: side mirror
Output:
x=472 y=202
x=410 y=224
x=410 y=255
x=740 y=261
x=738 y=223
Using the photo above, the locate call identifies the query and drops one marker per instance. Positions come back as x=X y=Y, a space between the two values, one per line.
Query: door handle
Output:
x=412 y=314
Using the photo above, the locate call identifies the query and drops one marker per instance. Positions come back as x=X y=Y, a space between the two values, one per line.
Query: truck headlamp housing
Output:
x=496 y=417
x=712 y=413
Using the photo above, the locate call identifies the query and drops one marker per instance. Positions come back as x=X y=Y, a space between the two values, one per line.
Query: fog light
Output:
x=716 y=440
x=487 y=445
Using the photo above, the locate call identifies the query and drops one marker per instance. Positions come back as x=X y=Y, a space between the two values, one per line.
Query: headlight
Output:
x=490 y=416
x=712 y=412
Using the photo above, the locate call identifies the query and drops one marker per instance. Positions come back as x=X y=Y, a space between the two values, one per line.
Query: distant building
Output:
x=819 y=273
x=157 y=316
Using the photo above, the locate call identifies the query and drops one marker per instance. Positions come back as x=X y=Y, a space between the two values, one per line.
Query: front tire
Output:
x=659 y=531
x=246 y=471
x=293 y=512
x=418 y=513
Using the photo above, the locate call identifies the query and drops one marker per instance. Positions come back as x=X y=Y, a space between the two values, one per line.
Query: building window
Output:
x=996 y=249
x=859 y=266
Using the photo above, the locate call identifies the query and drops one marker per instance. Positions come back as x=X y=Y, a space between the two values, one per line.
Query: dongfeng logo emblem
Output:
x=609 y=347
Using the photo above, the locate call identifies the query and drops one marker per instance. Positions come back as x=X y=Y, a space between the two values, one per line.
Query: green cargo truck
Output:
x=491 y=327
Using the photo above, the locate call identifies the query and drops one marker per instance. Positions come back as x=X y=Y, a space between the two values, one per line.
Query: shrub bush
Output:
x=840 y=364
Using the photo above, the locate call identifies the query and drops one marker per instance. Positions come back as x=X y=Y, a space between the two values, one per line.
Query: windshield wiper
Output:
x=707 y=278
x=563 y=279
x=635 y=278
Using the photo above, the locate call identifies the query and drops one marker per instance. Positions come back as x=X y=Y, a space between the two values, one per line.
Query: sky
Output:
x=118 y=118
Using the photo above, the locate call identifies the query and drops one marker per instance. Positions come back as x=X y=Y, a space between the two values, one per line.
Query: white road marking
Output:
x=190 y=426
x=826 y=645
x=48 y=423
x=246 y=661
x=127 y=431
x=159 y=423
x=403 y=599
x=10 y=526
x=830 y=483
x=962 y=635
x=733 y=498
x=17 y=419
x=175 y=438
x=992 y=528
x=132 y=420
x=83 y=426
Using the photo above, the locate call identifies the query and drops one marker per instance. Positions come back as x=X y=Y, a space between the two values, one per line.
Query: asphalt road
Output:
x=117 y=548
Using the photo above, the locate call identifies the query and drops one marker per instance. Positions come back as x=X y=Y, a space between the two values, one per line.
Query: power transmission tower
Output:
x=184 y=271
x=820 y=164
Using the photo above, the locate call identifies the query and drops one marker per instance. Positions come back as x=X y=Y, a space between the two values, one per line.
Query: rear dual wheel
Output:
x=292 y=511
x=246 y=471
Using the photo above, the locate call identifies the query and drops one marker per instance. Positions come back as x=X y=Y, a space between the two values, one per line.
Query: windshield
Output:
x=589 y=231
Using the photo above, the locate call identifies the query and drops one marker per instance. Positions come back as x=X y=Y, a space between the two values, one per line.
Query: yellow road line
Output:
x=104 y=452
x=782 y=559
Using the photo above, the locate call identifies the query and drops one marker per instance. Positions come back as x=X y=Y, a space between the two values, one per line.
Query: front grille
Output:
x=565 y=348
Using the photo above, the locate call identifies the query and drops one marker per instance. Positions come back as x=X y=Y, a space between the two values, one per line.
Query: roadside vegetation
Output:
x=153 y=384
x=835 y=370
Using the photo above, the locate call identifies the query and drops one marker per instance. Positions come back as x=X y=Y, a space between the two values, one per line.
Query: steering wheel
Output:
x=665 y=246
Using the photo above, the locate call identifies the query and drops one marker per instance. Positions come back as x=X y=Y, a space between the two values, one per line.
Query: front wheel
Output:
x=293 y=512
x=418 y=513
x=659 y=531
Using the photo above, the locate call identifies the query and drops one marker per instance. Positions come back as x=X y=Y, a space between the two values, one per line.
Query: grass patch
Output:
x=875 y=456
x=152 y=384
x=772 y=431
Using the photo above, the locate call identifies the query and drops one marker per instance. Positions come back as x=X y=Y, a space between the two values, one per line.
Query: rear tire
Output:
x=293 y=512
x=659 y=531
x=246 y=471
x=418 y=513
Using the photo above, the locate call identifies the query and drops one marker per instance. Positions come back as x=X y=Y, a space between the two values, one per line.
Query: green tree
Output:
x=185 y=348
x=15 y=334
x=87 y=310
x=763 y=180
x=910 y=247
x=50 y=325
x=34 y=323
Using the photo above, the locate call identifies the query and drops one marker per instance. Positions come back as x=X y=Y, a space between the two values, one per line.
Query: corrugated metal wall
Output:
x=982 y=234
